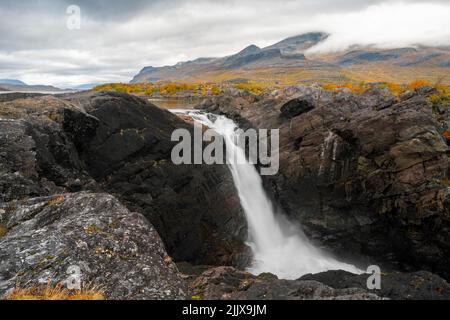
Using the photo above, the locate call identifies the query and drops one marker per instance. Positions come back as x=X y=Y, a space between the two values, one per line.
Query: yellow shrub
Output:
x=395 y=88
x=252 y=87
x=355 y=88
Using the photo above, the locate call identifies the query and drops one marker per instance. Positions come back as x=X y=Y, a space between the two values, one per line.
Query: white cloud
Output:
x=117 y=40
x=387 y=25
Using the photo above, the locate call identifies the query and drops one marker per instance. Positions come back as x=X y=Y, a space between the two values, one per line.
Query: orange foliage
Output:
x=395 y=88
x=446 y=134
x=356 y=88
x=418 y=83
x=329 y=86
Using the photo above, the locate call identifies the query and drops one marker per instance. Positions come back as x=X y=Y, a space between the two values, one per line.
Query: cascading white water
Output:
x=278 y=246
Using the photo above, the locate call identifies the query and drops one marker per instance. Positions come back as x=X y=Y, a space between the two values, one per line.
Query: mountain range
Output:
x=293 y=60
x=17 y=85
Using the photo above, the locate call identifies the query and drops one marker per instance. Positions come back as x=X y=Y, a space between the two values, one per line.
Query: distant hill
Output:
x=17 y=85
x=289 y=61
x=301 y=43
x=13 y=82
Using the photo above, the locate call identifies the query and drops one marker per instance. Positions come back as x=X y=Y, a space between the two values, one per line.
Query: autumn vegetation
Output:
x=174 y=88
x=395 y=88
x=439 y=96
x=58 y=292
x=160 y=88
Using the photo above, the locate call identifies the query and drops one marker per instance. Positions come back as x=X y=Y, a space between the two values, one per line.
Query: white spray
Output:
x=278 y=246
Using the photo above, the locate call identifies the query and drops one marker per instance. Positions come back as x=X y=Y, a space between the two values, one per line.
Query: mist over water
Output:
x=278 y=246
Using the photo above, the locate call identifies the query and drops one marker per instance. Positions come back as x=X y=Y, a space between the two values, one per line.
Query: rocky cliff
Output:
x=365 y=175
x=113 y=143
x=86 y=180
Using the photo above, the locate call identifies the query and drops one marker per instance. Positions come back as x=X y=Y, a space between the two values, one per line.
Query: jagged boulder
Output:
x=195 y=209
x=227 y=283
x=113 y=248
x=295 y=107
x=419 y=285
x=36 y=156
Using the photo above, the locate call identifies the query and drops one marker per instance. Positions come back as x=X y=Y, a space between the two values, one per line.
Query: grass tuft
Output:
x=56 y=200
x=3 y=230
x=58 y=292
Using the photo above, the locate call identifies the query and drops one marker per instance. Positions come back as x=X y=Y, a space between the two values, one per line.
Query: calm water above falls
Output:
x=278 y=246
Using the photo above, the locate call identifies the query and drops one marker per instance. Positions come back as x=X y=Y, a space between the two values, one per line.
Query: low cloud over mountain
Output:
x=116 y=38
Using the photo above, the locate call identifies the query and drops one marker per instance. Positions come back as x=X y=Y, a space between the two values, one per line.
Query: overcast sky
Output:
x=119 y=37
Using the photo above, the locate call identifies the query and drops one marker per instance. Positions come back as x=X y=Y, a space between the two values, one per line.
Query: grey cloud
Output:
x=120 y=37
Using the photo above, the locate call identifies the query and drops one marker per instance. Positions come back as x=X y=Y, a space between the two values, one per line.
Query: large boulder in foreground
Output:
x=115 y=249
x=365 y=175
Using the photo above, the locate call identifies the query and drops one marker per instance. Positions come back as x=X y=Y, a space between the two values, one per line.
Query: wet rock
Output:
x=113 y=248
x=227 y=283
x=398 y=286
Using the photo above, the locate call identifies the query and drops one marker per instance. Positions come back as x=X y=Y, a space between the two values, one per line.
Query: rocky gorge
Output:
x=365 y=175
x=86 y=179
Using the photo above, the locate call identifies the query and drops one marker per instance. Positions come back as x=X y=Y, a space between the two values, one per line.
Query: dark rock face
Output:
x=194 y=208
x=405 y=286
x=227 y=283
x=37 y=158
x=112 y=247
x=295 y=108
x=121 y=144
x=362 y=174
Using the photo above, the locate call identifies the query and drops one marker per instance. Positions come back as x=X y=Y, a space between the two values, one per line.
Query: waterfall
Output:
x=278 y=246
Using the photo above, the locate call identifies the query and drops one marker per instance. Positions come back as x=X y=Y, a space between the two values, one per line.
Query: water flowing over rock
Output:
x=363 y=174
x=278 y=246
x=86 y=180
